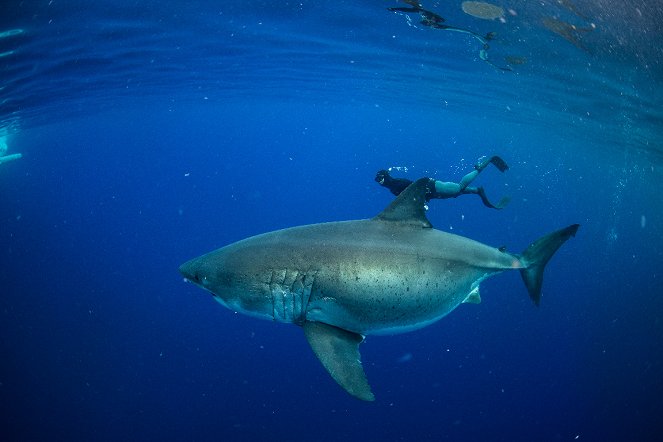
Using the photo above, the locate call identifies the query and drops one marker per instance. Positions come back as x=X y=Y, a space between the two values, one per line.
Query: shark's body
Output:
x=343 y=280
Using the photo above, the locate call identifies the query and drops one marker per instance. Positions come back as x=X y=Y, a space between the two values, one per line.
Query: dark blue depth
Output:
x=100 y=338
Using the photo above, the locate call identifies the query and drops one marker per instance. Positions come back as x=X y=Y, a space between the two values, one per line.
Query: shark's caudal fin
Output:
x=537 y=255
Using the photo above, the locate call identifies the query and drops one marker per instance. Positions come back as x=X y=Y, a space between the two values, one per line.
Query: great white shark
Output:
x=341 y=281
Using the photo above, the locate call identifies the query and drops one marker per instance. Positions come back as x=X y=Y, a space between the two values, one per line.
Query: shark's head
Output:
x=197 y=272
x=230 y=276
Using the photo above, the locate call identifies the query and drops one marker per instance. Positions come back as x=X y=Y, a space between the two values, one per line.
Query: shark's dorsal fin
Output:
x=410 y=206
x=338 y=350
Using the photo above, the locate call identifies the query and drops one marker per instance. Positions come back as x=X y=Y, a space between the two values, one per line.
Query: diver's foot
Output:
x=482 y=194
x=482 y=163
x=495 y=160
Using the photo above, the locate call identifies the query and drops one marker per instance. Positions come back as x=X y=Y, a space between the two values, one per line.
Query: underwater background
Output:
x=154 y=131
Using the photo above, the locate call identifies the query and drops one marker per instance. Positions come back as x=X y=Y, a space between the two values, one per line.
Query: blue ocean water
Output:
x=152 y=132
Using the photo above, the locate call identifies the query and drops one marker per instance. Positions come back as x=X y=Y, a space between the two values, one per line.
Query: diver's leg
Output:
x=446 y=189
x=467 y=179
x=479 y=167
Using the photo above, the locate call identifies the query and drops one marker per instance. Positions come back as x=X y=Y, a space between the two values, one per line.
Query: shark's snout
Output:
x=198 y=272
x=189 y=271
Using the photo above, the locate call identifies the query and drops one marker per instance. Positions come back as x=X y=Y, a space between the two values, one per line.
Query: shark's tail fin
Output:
x=537 y=255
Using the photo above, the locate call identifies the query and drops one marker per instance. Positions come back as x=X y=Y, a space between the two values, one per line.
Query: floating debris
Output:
x=569 y=32
x=483 y=10
x=572 y=8
x=515 y=60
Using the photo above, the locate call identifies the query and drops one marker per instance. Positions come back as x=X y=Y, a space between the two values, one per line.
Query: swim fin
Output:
x=499 y=163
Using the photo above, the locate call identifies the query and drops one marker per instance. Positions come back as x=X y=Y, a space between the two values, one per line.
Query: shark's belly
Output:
x=389 y=298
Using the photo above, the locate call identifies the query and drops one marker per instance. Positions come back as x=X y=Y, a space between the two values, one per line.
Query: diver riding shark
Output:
x=341 y=281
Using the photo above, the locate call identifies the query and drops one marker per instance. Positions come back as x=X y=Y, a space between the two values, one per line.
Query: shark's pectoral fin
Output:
x=338 y=350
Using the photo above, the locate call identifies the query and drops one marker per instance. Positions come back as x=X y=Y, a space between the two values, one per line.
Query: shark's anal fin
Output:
x=338 y=350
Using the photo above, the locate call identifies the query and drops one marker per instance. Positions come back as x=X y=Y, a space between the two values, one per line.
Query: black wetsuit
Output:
x=395 y=185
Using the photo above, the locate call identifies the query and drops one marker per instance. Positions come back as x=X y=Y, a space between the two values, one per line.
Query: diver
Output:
x=447 y=189
x=435 y=21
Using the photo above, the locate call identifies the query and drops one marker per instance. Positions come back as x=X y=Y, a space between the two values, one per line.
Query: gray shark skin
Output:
x=341 y=281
